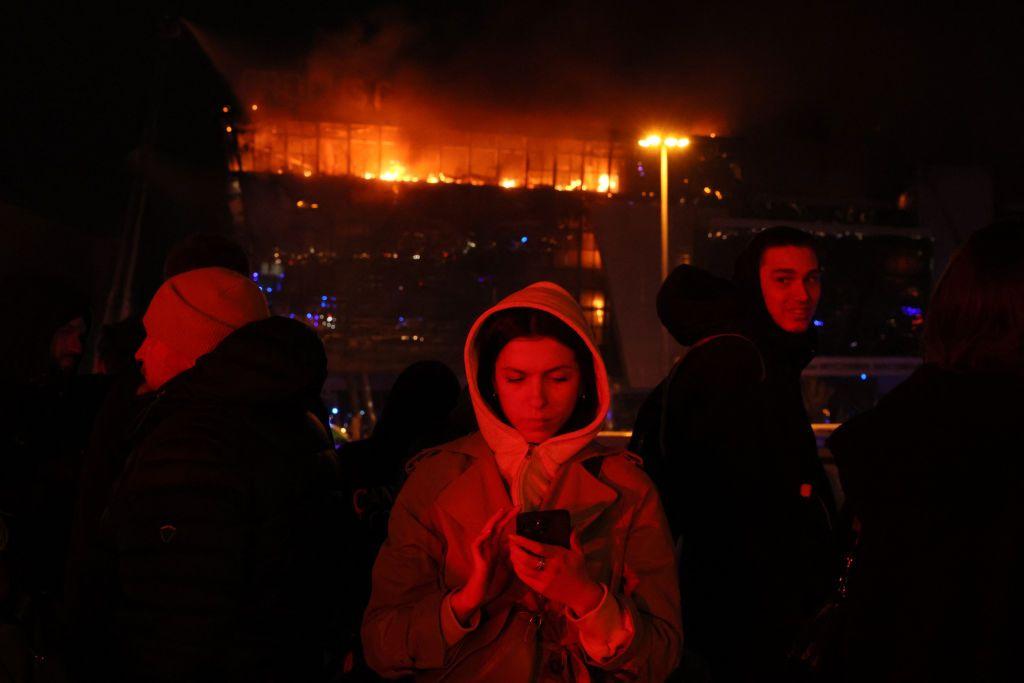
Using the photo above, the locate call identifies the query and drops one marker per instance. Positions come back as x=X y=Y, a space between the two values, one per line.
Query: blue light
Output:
x=911 y=311
x=401 y=318
x=309 y=316
x=334 y=411
x=524 y=239
x=323 y=298
x=863 y=377
x=819 y=323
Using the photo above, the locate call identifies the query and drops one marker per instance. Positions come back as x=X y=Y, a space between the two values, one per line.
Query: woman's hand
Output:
x=556 y=573
x=487 y=549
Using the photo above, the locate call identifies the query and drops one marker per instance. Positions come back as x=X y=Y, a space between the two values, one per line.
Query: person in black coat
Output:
x=217 y=551
x=728 y=442
x=934 y=475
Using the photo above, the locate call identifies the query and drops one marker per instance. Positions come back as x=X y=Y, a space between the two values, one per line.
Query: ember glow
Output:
x=397 y=155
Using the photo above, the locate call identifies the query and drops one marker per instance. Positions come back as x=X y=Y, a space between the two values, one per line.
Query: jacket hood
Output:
x=275 y=361
x=508 y=445
x=694 y=304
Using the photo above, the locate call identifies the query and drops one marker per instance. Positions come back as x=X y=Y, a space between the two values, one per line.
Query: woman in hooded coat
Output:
x=457 y=596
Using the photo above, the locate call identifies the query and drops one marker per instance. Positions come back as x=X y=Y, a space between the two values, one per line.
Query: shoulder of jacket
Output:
x=434 y=462
x=613 y=460
x=727 y=359
x=730 y=344
x=428 y=473
x=423 y=455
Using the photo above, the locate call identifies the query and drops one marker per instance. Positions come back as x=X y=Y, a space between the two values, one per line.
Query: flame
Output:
x=388 y=153
x=396 y=171
x=606 y=183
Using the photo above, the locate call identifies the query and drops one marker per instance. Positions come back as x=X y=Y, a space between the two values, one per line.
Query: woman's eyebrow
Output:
x=565 y=366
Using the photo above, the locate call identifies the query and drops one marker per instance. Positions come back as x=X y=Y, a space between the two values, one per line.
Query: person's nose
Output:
x=802 y=292
x=142 y=349
x=538 y=395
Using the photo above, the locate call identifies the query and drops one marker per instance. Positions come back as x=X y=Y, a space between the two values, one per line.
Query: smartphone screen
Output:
x=545 y=526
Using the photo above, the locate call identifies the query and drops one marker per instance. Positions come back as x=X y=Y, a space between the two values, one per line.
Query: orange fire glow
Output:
x=391 y=154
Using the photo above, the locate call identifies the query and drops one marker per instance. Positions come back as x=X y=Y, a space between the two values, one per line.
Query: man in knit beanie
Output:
x=190 y=315
x=212 y=555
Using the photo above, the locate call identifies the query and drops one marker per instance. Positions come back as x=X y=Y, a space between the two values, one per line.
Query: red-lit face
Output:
x=160 y=363
x=791 y=285
x=537 y=381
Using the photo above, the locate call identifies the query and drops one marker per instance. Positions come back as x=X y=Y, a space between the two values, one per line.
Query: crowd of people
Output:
x=193 y=520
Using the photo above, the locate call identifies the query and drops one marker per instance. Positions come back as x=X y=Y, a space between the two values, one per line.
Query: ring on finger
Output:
x=541 y=563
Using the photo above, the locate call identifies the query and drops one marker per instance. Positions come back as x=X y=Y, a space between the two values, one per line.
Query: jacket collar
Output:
x=480 y=491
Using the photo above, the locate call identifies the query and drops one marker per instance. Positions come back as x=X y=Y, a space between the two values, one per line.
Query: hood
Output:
x=694 y=304
x=276 y=361
x=795 y=350
x=508 y=445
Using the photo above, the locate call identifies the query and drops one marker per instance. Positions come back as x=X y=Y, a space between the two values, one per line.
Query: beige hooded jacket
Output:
x=636 y=631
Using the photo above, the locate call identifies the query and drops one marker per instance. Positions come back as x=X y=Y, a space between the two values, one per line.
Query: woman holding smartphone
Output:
x=480 y=578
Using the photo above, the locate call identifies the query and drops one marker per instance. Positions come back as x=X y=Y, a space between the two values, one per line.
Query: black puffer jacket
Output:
x=219 y=537
x=934 y=473
x=741 y=477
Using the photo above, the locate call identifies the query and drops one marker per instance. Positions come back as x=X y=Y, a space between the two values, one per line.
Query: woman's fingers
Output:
x=574 y=543
x=494 y=531
x=493 y=521
x=534 y=547
x=508 y=519
x=525 y=564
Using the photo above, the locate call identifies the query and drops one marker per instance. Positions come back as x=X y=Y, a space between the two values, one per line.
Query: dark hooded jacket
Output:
x=934 y=475
x=740 y=474
x=216 y=544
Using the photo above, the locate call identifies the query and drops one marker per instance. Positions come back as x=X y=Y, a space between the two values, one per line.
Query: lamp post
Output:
x=664 y=145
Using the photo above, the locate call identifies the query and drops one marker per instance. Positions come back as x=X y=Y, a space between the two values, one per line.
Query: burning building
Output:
x=359 y=135
x=389 y=229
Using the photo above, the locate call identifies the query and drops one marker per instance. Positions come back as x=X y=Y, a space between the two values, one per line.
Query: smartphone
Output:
x=545 y=526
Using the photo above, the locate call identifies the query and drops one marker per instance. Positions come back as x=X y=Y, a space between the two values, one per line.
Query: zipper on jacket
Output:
x=517 y=480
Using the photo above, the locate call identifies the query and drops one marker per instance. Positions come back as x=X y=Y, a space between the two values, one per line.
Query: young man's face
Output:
x=791 y=286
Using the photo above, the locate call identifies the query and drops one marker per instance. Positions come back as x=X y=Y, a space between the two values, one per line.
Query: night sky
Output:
x=927 y=84
x=874 y=89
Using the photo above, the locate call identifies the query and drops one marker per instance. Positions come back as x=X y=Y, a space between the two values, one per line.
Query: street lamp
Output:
x=664 y=145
